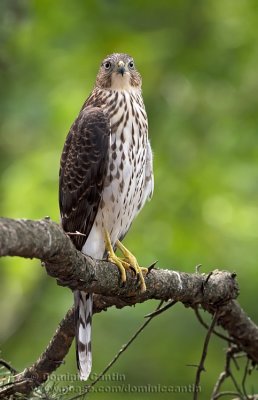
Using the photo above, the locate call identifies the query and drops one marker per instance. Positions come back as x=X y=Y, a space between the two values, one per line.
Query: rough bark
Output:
x=46 y=241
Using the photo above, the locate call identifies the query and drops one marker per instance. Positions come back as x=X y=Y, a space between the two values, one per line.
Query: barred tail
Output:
x=83 y=315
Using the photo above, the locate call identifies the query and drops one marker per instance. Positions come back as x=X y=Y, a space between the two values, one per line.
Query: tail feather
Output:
x=83 y=315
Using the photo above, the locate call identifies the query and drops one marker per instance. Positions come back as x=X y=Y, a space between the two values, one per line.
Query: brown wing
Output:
x=82 y=172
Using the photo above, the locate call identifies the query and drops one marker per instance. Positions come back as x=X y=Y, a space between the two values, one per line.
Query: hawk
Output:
x=105 y=178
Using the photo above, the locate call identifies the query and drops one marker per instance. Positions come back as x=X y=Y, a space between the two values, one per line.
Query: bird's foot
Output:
x=131 y=260
x=121 y=264
x=128 y=262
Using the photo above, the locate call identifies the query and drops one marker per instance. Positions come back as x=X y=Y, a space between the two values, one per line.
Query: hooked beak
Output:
x=121 y=68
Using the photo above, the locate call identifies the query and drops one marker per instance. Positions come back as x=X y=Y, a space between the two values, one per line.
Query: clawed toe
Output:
x=128 y=262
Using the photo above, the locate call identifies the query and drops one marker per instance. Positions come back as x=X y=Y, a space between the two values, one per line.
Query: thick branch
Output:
x=46 y=241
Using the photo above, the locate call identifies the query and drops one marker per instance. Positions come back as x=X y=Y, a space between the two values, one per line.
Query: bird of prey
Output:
x=105 y=178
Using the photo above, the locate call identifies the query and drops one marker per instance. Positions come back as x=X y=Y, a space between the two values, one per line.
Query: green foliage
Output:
x=199 y=63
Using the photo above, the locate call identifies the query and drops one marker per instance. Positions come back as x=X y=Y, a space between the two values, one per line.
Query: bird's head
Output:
x=118 y=72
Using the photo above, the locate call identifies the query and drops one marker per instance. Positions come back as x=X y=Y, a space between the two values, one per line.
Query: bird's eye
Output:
x=131 y=64
x=107 y=65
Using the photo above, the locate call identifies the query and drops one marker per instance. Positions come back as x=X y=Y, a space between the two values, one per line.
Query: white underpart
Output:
x=122 y=206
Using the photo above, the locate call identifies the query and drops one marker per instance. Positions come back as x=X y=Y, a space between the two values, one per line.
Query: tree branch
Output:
x=46 y=241
x=201 y=368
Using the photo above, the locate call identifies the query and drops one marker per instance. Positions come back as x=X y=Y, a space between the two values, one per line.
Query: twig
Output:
x=222 y=377
x=203 y=323
x=244 y=378
x=234 y=359
x=236 y=356
x=161 y=310
x=121 y=351
x=76 y=233
x=204 y=354
x=8 y=366
x=227 y=373
x=240 y=394
x=225 y=393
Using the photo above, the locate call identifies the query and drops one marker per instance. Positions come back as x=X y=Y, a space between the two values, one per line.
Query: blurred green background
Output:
x=198 y=60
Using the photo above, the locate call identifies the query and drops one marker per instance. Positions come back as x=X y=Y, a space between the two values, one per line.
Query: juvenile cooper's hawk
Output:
x=105 y=179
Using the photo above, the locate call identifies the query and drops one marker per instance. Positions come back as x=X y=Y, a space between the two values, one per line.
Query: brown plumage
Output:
x=105 y=175
x=82 y=173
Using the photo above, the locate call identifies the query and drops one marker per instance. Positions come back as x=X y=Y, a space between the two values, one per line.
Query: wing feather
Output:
x=82 y=172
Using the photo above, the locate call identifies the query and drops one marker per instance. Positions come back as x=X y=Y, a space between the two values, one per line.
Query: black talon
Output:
x=133 y=269
x=137 y=277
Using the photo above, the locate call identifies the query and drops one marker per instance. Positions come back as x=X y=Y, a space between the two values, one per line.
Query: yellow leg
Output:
x=122 y=265
x=132 y=261
x=129 y=261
